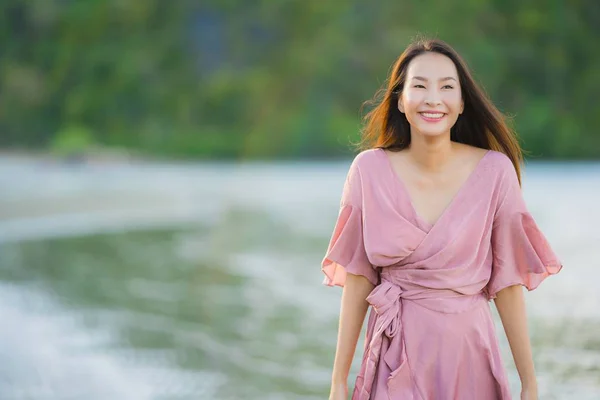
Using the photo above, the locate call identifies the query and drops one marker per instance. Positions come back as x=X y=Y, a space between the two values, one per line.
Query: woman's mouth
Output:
x=431 y=117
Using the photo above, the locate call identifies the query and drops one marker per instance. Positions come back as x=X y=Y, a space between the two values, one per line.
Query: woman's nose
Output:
x=432 y=102
x=433 y=98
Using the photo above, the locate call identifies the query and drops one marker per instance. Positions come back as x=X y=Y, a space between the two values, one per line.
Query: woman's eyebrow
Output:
x=420 y=78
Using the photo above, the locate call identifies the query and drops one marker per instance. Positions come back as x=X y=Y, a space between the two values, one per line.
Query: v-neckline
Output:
x=429 y=225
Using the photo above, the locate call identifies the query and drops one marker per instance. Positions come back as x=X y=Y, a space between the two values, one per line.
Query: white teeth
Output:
x=431 y=115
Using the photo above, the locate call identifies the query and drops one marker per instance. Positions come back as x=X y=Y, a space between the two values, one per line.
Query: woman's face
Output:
x=431 y=98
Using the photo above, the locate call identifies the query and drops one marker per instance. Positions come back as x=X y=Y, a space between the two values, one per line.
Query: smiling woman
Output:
x=427 y=80
x=432 y=226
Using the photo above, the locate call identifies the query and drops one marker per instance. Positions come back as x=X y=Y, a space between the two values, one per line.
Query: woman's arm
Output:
x=510 y=303
x=352 y=314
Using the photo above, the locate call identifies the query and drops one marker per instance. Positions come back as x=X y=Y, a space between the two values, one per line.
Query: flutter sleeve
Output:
x=521 y=253
x=346 y=251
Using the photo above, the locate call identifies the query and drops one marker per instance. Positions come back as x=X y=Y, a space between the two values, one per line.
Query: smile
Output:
x=432 y=117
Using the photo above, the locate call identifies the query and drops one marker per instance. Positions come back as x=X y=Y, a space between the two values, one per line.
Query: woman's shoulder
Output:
x=500 y=159
x=368 y=153
x=500 y=163
x=501 y=172
x=365 y=159
x=492 y=159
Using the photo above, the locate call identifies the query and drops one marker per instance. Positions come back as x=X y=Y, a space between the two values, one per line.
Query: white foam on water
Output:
x=47 y=354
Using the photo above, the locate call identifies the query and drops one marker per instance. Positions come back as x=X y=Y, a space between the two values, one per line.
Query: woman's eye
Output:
x=419 y=86
x=448 y=86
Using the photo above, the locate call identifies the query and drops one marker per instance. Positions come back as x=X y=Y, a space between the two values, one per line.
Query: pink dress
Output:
x=430 y=333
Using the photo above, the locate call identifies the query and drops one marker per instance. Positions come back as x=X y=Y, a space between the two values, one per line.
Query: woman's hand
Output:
x=339 y=392
x=529 y=393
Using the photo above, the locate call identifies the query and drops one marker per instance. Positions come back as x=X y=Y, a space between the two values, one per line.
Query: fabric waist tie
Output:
x=386 y=300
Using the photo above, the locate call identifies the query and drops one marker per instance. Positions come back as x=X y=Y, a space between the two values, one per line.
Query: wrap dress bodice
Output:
x=430 y=334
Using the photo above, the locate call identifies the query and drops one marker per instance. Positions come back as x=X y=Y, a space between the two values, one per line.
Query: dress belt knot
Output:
x=386 y=302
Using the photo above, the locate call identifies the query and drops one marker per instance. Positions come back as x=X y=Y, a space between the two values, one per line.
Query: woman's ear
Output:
x=462 y=106
x=400 y=105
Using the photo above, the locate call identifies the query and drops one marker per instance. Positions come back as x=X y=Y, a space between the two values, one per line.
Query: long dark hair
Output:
x=481 y=123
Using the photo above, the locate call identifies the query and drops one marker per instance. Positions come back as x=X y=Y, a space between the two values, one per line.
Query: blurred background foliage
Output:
x=278 y=79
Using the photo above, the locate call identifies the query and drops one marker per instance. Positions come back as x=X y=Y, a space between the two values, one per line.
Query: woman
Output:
x=432 y=226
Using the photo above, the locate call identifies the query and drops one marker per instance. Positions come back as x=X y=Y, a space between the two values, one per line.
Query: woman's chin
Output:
x=433 y=133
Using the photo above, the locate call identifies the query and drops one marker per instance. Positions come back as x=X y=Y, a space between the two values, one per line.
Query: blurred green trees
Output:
x=260 y=78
